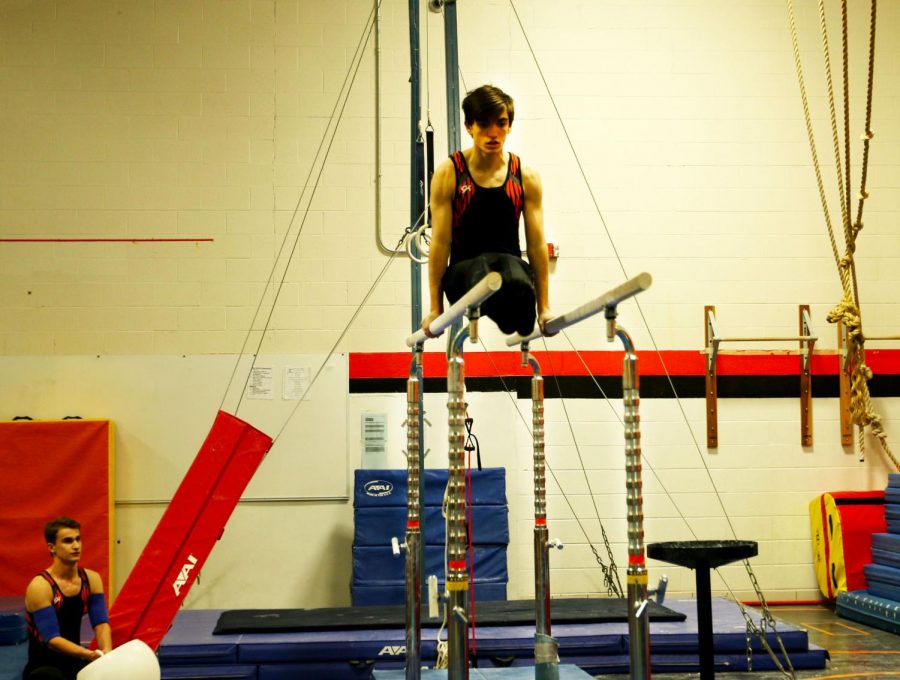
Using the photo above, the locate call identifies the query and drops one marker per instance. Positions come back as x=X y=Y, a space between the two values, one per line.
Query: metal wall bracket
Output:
x=712 y=340
x=711 y=331
x=807 y=346
x=844 y=372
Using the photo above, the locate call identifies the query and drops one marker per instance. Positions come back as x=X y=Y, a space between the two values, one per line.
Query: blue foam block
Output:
x=12 y=621
x=885 y=557
x=386 y=488
x=371 y=596
x=883 y=581
x=886 y=542
x=862 y=606
x=884 y=573
x=378 y=566
x=190 y=640
x=894 y=480
x=376 y=525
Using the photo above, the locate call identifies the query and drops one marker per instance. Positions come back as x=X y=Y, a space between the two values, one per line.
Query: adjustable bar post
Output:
x=638 y=614
x=413 y=523
x=456 y=572
x=546 y=649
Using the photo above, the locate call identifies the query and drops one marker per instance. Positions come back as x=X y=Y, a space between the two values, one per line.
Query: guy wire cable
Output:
x=619 y=260
x=640 y=309
x=338 y=109
x=612 y=584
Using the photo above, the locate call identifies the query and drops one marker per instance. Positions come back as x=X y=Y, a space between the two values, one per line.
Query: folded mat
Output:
x=502 y=613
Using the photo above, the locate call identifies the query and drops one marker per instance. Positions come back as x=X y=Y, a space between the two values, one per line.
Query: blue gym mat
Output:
x=883 y=581
x=353 y=655
x=862 y=606
x=566 y=672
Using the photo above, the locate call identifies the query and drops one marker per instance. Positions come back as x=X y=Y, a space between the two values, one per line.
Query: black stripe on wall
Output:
x=651 y=386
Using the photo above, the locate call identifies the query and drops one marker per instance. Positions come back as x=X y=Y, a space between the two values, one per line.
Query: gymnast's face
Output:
x=67 y=547
x=489 y=136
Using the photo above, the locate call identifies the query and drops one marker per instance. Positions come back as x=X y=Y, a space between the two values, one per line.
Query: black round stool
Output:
x=701 y=556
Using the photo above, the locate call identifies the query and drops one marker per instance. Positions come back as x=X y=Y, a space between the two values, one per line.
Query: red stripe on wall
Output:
x=106 y=240
x=674 y=362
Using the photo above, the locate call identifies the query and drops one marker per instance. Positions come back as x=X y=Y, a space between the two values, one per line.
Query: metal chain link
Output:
x=767 y=622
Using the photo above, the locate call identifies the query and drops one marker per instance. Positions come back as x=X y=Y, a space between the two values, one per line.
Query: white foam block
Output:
x=133 y=660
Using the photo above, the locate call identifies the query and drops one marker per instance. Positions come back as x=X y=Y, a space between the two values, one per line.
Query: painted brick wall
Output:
x=193 y=128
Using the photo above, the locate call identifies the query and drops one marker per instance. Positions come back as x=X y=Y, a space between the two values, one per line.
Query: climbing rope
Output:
x=848 y=310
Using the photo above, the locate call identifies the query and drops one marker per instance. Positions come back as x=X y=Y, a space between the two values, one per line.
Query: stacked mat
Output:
x=879 y=606
x=379 y=513
x=12 y=620
x=217 y=644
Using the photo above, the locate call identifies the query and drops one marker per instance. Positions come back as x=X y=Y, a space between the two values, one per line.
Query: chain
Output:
x=767 y=622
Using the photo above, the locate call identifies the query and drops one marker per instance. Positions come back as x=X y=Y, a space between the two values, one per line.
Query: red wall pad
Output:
x=187 y=532
x=842 y=526
x=52 y=468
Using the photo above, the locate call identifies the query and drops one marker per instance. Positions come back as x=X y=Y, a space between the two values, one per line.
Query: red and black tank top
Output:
x=69 y=608
x=486 y=219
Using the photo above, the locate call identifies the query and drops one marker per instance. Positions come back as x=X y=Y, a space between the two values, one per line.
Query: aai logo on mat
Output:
x=378 y=487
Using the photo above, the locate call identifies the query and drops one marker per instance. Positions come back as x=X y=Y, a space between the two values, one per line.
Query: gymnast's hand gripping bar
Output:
x=477 y=294
x=609 y=299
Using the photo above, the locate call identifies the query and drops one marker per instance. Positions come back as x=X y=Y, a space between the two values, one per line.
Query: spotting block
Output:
x=566 y=672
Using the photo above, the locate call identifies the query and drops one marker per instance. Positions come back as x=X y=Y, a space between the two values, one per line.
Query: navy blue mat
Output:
x=352 y=655
x=387 y=488
x=888 y=558
x=510 y=612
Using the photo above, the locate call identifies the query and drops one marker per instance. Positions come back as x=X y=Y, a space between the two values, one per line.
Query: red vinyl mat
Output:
x=188 y=530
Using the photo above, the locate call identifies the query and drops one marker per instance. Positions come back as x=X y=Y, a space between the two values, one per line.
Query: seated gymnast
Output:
x=56 y=601
x=477 y=199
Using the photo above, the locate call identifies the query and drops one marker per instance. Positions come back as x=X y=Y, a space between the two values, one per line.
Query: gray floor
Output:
x=857 y=651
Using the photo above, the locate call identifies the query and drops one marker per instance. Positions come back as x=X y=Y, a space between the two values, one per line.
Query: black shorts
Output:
x=512 y=307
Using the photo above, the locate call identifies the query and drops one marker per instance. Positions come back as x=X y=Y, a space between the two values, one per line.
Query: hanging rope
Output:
x=848 y=310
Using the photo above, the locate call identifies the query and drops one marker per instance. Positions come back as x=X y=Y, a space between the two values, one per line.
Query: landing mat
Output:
x=566 y=672
x=511 y=612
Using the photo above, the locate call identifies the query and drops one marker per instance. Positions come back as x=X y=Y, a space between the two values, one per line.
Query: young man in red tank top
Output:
x=477 y=199
x=56 y=601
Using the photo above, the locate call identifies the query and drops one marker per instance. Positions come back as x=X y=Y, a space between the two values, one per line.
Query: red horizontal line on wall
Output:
x=672 y=362
x=106 y=240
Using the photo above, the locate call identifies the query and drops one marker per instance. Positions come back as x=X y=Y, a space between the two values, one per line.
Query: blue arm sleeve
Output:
x=46 y=622
x=97 y=609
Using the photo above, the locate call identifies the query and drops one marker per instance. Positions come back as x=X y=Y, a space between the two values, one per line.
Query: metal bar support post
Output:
x=546 y=648
x=637 y=576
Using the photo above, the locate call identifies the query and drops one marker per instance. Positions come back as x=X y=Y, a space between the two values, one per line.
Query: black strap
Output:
x=469 y=446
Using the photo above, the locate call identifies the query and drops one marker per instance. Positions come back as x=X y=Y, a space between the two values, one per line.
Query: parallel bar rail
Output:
x=480 y=292
x=610 y=298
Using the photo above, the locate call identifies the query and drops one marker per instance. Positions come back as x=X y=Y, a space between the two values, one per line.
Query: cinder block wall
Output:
x=193 y=127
